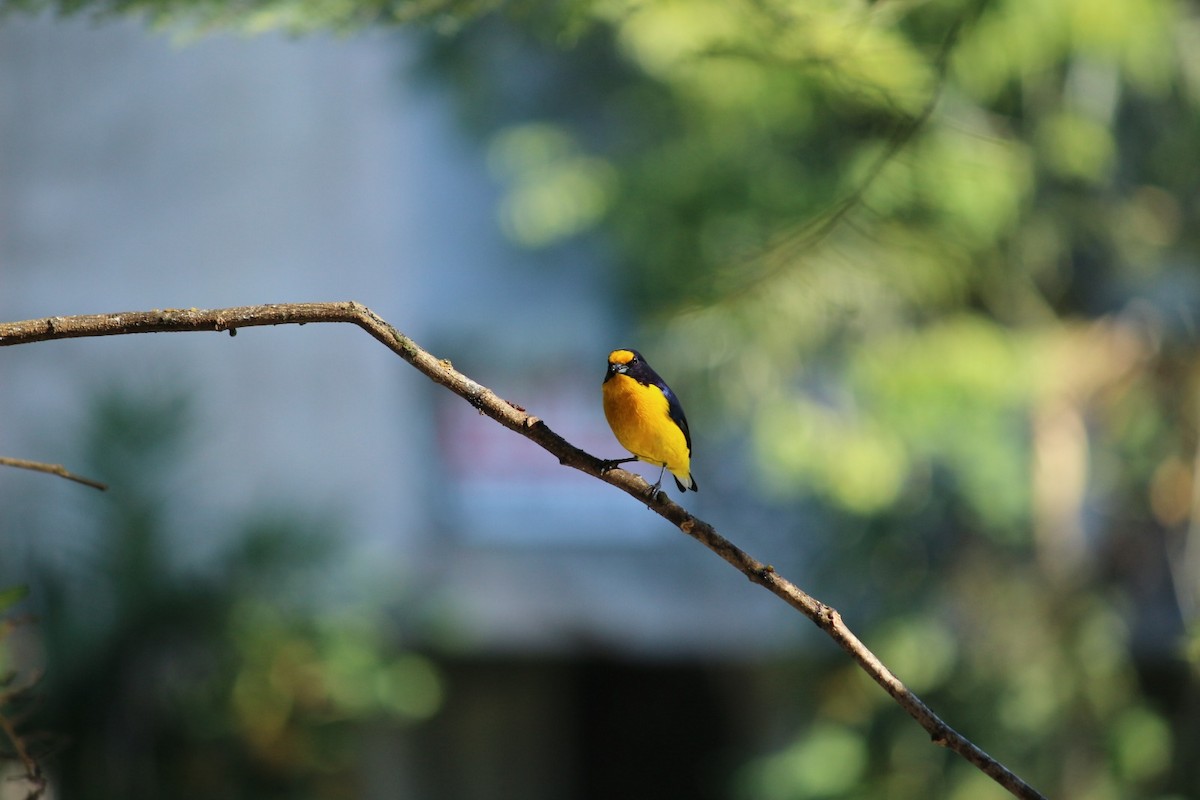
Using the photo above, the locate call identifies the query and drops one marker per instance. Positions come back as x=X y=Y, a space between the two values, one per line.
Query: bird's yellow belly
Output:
x=641 y=421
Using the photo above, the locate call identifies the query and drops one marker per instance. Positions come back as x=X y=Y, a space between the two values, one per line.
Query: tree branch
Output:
x=33 y=771
x=517 y=419
x=9 y=698
x=53 y=469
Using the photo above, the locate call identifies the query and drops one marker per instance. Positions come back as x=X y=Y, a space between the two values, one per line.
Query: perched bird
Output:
x=647 y=419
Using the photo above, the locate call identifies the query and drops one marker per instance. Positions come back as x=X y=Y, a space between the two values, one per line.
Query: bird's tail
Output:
x=685 y=482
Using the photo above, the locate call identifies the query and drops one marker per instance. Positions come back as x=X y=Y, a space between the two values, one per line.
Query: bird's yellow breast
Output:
x=639 y=417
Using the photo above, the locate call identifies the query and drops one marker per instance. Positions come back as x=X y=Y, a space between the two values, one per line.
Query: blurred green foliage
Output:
x=237 y=678
x=933 y=262
x=19 y=767
x=256 y=16
x=937 y=263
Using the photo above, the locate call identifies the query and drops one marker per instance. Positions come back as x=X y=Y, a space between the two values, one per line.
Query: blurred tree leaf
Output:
x=258 y=16
x=239 y=678
x=12 y=595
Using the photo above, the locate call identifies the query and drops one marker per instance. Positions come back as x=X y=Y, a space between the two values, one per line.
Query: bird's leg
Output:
x=658 y=483
x=613 y=463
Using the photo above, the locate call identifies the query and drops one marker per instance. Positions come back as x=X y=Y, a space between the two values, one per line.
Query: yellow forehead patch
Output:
x=620 y=356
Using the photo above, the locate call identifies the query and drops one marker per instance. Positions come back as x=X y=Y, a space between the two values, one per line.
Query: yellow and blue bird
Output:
x=647 y=419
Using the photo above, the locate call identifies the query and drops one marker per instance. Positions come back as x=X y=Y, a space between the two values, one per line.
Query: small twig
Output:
x=779 y=253
x=517 y=419
x=33 y=771
x=10 y=699
x=53 y=469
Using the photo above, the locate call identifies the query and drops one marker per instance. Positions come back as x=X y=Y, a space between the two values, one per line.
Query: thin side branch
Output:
x=33 y=772
x=517 y=419
x=781 y=252
x=53 y=469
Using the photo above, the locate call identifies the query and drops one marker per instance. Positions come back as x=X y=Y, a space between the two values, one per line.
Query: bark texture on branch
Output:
x=517 y=419
x=51 y=469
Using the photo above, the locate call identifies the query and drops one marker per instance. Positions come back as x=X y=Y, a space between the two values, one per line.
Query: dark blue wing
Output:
x=644 y=374
x=676 y=411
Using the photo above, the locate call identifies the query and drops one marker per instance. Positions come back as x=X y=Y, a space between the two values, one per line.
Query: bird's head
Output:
x=620 y=362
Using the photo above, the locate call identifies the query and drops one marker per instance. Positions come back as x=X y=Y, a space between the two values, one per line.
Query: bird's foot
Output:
x=613 y=463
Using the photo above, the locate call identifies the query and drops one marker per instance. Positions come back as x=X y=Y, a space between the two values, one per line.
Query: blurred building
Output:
x=589 y=649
